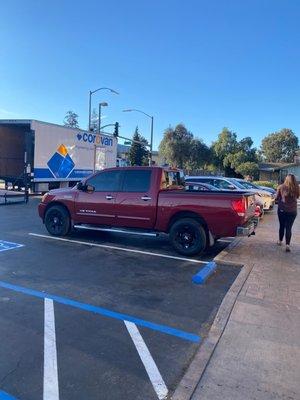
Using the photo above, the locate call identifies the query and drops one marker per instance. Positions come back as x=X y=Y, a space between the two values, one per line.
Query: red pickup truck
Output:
x=149 y=200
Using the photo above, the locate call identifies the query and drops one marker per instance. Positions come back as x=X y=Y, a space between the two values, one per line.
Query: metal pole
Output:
x=26 y=178
x=95 y=153
x=151 y=142
x=99 y=118
x=90 y=111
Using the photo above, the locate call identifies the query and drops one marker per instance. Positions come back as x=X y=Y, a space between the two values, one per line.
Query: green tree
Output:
x=224 y=147
x=200 y=155
x=248 y=168
x=138 y=154
x=176 y=145
x=71 y=119
x=243 y=153
x=230 y=153
x=280 y=146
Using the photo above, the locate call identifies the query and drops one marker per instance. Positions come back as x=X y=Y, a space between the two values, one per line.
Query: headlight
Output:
x=44 y=197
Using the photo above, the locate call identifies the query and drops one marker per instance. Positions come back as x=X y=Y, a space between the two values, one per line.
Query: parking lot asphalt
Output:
x=63 y=305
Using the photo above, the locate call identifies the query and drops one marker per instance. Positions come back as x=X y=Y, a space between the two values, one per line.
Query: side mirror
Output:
x=80 y=186
x=85 y=187
x=231 y=187
x=90 y=188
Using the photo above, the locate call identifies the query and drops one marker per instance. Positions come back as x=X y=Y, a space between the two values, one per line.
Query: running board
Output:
x=128 y=232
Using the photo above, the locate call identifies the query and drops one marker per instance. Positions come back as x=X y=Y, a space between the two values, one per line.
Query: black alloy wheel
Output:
x=57 y=221
x=188 y=237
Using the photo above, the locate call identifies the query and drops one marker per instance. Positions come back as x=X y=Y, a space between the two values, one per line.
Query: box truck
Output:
x=43 y=155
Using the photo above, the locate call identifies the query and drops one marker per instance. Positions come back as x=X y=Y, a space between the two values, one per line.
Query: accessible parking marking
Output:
x=6 y=396
x=105 y=246
x=9 y=246
x=104 y=312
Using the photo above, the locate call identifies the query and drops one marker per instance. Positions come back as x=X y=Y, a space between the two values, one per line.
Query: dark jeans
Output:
x=286 y=221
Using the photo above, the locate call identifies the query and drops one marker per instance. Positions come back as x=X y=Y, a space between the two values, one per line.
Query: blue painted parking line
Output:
x=9 y=245
x=6 y=396
x=204 y=273
x=105 y=312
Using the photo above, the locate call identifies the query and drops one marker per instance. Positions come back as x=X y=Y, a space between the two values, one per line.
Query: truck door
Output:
x=98 y=207
x=136 y=201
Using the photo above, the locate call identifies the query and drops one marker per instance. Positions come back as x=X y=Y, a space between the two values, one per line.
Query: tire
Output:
x=188 y=237
x=57 y=221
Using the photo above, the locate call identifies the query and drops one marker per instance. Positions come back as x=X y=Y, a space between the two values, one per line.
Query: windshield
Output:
x=238 y=184
x=247 y=185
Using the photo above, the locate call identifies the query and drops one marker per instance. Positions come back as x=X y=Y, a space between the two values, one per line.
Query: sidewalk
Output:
x=258 y=355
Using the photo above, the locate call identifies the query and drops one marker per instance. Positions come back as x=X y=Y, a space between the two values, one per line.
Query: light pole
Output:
x=151 y=130
x=104 y=104
x=90 y=100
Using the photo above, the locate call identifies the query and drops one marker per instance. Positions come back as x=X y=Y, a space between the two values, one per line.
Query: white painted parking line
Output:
x=51 y=391
x=149 y=364
x=105 y=246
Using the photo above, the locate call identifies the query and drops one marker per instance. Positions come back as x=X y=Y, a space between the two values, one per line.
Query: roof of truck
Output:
x=29 y=121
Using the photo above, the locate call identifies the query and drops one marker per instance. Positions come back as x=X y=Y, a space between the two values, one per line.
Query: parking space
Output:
x=122 y=322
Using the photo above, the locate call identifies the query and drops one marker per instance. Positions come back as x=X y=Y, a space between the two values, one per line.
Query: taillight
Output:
x=239 y=206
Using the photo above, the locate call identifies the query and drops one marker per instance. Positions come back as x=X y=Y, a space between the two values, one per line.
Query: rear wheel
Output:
x=188 y=237
x=57 y=221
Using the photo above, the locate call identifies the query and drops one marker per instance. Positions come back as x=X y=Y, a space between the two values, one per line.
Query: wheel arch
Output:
x=189 y=214
x=57 y=203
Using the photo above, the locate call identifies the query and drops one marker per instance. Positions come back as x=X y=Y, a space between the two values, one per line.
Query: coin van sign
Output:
x=95 y=139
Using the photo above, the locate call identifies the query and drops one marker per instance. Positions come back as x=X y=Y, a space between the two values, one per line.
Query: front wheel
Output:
x=57 y=221
x=188 y=237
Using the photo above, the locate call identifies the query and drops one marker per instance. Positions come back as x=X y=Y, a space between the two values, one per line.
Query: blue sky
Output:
x=207 y=64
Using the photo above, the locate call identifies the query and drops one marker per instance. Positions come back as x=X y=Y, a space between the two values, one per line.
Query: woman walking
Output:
x=287 y=195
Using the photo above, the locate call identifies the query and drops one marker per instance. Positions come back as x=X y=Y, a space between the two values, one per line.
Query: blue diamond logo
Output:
x=61 y=165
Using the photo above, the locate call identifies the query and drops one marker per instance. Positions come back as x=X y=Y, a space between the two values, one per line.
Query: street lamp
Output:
x=151 y=130
x=90 y=100
x=103 y=104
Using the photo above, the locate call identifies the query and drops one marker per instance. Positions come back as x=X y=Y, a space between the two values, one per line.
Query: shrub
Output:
x=272 y=184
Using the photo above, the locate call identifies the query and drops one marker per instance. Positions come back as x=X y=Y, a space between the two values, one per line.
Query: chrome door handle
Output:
x=109 y=197
x=145 y=198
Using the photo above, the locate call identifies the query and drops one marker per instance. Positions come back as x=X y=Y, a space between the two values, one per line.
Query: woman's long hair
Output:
x=290 y=187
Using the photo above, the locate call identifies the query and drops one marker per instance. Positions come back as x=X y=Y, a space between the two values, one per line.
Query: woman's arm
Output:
x=278 y=193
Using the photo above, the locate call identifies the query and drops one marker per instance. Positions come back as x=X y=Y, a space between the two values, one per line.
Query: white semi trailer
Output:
x=45 y=155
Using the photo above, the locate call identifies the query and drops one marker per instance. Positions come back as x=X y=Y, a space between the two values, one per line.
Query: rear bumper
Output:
x=248 y=229
x=269 y=204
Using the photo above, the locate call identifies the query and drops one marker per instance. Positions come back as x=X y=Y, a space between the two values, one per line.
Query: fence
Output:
x=203 y=172
x=7 y=197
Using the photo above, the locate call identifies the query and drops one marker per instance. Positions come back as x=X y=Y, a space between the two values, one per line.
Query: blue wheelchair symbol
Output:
x=9 y=245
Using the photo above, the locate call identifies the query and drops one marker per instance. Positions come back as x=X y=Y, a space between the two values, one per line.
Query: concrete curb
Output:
x=192 y=377
x=221 y=257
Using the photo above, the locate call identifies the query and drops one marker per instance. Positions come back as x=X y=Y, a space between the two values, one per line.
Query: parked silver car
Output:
x=262 y=197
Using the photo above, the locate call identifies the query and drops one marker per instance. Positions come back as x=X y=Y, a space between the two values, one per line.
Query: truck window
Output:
x=172 y=179
x=137 y=181
x=108 y=181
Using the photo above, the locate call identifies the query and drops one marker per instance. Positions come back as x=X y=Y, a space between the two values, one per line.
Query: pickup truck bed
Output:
x=150 y=199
